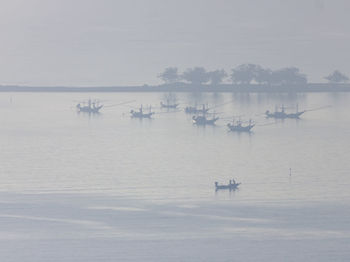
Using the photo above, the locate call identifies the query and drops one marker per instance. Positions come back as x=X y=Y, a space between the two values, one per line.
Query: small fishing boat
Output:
x=232 y=185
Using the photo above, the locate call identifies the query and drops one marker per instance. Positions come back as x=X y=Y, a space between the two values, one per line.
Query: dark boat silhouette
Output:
x=238 y=127
x=91 y=107
x=232 y=185
x=140 y=113
x=203 y=120
x=283 y=115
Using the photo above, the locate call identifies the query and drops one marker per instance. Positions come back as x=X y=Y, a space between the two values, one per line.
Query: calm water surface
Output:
x=46 y=146
x=79 y=187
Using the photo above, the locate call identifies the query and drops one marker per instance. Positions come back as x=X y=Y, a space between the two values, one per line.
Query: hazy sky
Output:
x=112 y=42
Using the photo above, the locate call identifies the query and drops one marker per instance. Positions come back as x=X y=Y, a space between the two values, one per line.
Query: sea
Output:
x=108 y=187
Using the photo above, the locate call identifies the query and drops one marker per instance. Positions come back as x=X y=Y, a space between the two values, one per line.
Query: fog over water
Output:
x=88 y=187
x=108 y=42
x=80 y=187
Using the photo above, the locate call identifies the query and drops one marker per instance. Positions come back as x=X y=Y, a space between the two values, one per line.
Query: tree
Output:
x=337 y=77
x=170 y=75
x=197 y=75
x=288 y=75
x=244 y=73
x=262 y=75
x=216 y=77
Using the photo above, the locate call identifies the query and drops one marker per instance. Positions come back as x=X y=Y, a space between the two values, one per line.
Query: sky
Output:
x=112 y=42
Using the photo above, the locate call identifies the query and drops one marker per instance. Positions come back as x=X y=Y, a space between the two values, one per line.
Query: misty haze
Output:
x=173 y=131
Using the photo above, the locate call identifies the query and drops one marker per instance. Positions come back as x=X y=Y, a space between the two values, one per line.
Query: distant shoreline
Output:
x=181 y=87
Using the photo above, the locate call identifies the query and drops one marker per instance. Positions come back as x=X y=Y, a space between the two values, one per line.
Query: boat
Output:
x=195 y=110
x=91 y=107
x=238 y=127
x=283 y=115
x=140 y=114
x=168 y=105
x=232 y=185
x=203 y=120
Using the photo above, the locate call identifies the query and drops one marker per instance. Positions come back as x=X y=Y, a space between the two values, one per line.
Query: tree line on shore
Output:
x=244 y=74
